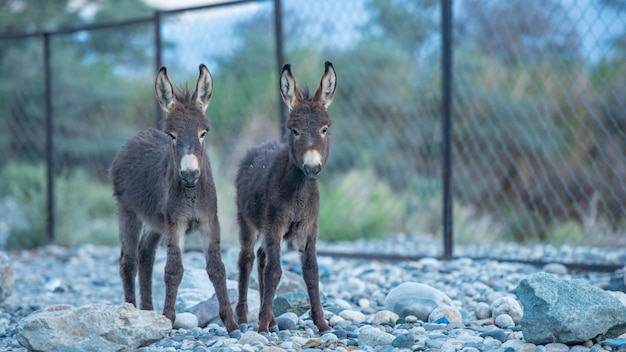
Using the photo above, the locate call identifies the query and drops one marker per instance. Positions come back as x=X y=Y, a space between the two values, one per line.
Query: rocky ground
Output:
x=481 y=311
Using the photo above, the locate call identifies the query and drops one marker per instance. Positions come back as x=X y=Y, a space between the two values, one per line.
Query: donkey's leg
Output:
x=173 y=272
x=147 y=250
x=247 y=239
x=271 y=276
x=261 y=258
x=129 y=229
x=217 y=273
x=310 y=274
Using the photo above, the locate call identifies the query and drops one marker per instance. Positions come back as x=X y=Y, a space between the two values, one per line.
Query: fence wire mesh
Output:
x=538 y=135
x=539 y=110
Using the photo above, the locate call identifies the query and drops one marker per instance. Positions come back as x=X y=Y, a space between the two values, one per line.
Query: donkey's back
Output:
x=137 y=168
x=253 y=177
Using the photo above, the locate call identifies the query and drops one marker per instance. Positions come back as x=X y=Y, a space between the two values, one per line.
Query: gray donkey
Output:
x=278 y=197
x=162 y=181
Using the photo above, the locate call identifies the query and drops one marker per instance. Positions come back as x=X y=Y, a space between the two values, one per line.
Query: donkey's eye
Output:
x=324 y=130
x=203 y=134
x=295 y=132
x=172 y=137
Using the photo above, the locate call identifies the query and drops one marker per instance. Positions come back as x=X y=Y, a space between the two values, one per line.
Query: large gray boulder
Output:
x=568 y=311
x=93 y=327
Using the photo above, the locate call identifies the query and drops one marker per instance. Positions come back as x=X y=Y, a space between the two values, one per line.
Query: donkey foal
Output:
x=278 y=197
x=162 y=181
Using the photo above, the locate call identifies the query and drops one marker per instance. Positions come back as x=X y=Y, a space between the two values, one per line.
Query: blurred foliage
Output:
x=539 y=127
x=518 y=31
x=27 y=16
x=27 y=186
x=416 y=19
x=371 y=212
x=82 y=217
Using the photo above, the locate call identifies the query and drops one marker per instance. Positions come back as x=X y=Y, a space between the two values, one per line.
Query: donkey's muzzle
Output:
x=312 y=164
x=311 y=172
x=189 y=178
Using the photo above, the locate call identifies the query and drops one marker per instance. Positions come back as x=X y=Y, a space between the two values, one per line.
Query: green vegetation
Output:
x=539 y=126
x=84 y=208
x=357 y=205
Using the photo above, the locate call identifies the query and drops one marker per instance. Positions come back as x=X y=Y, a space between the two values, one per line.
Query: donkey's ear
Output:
x=204 y=88
x=288 y=89
x=326 y=90
x=164 y=91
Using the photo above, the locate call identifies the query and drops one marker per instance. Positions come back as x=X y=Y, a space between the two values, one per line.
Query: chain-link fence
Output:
x=539 y=120
x=538 y=115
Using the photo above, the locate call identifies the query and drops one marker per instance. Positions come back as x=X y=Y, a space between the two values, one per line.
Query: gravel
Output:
x=89 y=274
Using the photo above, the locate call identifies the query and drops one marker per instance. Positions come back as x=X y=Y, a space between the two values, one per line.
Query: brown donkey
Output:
x=163 y=181
x=278 y=197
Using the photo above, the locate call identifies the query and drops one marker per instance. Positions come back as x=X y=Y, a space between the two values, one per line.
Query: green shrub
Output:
x=357 y=205
x=85 y=211
x=25 y=183
x=84 y=208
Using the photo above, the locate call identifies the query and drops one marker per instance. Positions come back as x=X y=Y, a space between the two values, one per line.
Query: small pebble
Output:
x=185 y=321
x=482 y=310
x=496 y=334
x=403 y=341
x=364 y=303
x=555 y=268
x=410 y=319
x=352 y=315
x=504 y=321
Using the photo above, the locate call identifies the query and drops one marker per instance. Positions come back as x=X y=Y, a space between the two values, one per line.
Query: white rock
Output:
x=451 y=313
x=504 y=321
x=410 y=319
x=93 y=327
x=371 y=336
x=384 y=316
x=555 y=268
x=482 y=311
x=417 y=299
x=335 y=319
x=364 y=303
x=507 y=305
x=251 y=337
x=352 y=315
x=185 y=321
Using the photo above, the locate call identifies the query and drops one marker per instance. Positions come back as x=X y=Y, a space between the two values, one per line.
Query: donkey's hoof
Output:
x=265 y=334
x=274 y=328
x=243 y=327
x=235 y=334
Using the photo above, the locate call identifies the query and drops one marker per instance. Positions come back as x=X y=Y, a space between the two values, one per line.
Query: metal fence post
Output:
x=280 y=58
x=158 y=46
x=49 y=141
x=446 y=105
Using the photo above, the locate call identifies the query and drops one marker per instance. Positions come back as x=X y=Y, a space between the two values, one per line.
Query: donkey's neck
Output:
x=190 y=193
x=179 y=190
x=294 y=177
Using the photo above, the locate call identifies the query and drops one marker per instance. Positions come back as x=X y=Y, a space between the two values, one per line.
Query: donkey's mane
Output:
x=305 y=92
x=183 y=95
